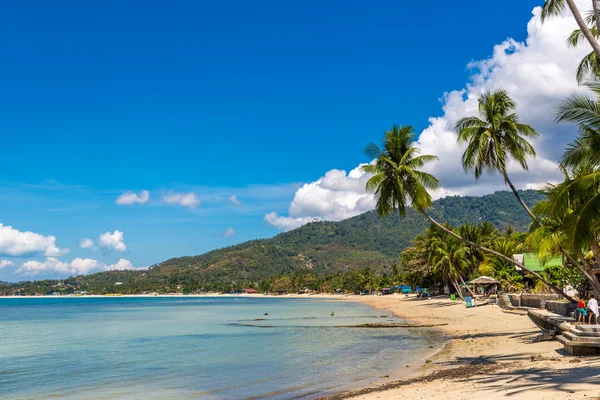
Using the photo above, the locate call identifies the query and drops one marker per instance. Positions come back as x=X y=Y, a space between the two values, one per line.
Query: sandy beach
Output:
x=489 y=355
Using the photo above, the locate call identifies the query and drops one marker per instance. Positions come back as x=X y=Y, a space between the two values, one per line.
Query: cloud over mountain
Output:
x=77 y=266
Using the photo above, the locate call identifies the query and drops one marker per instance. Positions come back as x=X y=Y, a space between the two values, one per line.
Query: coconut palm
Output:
x=449 y=260
x=550 y=236
x=494 y=138
x=585 y=112
x=397 y=183
x=555 y=7
x=589 y=66
x=576 y=201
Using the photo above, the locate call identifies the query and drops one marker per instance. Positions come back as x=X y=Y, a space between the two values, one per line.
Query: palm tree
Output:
x=576 y=201
x=449 y=260
x=550 y=236
x=585 y=112
x=555 y=7
x=589 y=66
x=495 y=137
x=397 y=183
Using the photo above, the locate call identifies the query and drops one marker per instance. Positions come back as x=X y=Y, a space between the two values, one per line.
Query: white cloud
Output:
x=128 y=198
x=229 y=232
x=538 y=74
x=333 y=197
x=112 y=241
x=16 y=243
x=287 y=223
x=87 y=243
x=78 y=266
x=189 y=200
x=233 y=199
x=122 y=265
x=5 y=263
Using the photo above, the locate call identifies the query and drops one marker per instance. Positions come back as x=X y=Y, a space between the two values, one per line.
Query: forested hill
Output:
x=364 y=240
x=323 y=247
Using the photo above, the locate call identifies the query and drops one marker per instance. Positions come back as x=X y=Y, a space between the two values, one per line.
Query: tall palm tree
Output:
x=449 y=260
x=555 y=7
x=397 y=183
x=494 y=138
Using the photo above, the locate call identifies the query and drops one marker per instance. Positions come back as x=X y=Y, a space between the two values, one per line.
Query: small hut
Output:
x=484 y=280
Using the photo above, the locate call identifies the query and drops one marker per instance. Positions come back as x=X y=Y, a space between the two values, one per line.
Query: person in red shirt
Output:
x=582 y=311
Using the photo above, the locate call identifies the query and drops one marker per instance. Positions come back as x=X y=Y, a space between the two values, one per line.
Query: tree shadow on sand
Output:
x=536 y=378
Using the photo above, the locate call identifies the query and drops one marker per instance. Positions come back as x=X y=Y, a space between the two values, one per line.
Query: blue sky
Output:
x=219 y=99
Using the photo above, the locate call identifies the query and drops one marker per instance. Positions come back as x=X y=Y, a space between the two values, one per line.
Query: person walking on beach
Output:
x=592 y=305
x=582 y=311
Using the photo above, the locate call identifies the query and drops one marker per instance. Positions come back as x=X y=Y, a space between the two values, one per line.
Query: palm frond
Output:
x=552 y=8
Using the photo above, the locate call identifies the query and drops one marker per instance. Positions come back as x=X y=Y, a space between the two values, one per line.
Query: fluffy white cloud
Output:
x=538 y=74
x=112 y=241
x=122 y=265
x=16 y=243
x=229 y=232
x=233 y=199
x=87 y=243
x=78 y=266
x=5 y=263
x=129 y=198
x=333 y=197
x=189 y=200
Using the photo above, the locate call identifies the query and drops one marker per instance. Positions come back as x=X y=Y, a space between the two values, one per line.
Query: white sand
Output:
x=488 y=357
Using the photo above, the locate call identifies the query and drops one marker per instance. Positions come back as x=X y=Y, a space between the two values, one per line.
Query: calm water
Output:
x=157 y=348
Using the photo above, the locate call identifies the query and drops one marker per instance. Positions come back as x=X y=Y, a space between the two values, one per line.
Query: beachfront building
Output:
x=532 y=262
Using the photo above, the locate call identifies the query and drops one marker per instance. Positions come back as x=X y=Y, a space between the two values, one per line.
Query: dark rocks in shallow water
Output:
x=266 y=313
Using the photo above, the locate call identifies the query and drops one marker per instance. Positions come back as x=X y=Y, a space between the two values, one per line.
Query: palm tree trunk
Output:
x=593 y=281
x=457 y=288
x=584 y=28
x=468 y=288
x=596 y=14
x=518 y=196
x=495 y=253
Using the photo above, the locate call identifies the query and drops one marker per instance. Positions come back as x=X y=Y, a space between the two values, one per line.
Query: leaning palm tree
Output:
x=556 y=7
x=398 y=183
x=494 y=138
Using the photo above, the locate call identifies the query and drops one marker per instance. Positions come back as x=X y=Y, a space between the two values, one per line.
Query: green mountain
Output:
x=323 y=247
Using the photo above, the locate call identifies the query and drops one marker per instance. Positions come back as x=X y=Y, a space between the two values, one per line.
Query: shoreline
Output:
x=488 y=353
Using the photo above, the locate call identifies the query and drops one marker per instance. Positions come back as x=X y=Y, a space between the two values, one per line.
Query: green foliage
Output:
x=495 y=136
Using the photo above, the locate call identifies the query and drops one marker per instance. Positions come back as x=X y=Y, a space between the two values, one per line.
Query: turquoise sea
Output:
x=196 y=347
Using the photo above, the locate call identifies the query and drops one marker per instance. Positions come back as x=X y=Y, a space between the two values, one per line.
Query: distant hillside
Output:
x=324 y=247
